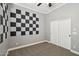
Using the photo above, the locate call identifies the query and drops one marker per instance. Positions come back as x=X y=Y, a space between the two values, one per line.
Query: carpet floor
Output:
x=42 y=49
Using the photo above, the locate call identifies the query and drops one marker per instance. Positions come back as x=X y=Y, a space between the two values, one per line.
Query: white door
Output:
x=60 y=33
x=64 y=33
x=54 y=32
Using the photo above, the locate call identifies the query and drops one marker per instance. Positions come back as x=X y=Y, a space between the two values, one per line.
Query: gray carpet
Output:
x=42 y=49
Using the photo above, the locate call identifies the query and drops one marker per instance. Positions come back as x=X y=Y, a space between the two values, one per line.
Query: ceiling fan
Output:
x=49 y=4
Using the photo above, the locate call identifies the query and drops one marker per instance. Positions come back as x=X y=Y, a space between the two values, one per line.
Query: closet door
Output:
x=54 y=32
x=64 y=39
x=60 y=33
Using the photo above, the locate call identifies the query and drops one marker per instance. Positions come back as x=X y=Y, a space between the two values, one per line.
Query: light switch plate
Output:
x=74 y=33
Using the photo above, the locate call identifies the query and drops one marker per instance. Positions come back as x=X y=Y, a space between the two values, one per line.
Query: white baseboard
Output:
x=73 y=51
x=10 y=49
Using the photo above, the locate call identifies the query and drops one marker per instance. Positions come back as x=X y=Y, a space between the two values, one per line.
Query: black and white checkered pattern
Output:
x=3 y=21
x=23 y=24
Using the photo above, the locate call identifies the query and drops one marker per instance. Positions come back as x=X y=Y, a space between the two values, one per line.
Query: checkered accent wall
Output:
x=23 y=23
x=3 y=21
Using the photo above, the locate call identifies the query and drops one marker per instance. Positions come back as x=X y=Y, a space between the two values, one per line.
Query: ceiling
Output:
x=43 y=8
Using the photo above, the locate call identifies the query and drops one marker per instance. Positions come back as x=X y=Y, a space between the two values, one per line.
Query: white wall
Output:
x=70 y=10
x=4 y=44
x=15 y=41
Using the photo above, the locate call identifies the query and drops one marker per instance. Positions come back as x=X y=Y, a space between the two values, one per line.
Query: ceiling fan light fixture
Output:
x=50 y=4
x=39 y=4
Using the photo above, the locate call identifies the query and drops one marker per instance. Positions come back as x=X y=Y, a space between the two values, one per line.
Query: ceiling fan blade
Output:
x=50 y=4
x=39 y=4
